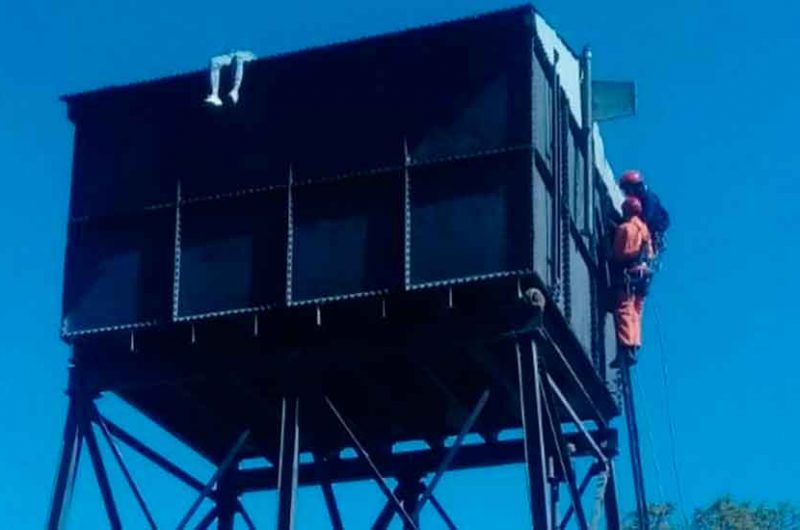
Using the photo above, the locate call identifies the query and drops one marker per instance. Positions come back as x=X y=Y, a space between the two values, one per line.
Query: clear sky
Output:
x=718 y=92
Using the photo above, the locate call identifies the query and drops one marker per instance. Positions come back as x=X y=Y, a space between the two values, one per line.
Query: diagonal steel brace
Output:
x=398 y=506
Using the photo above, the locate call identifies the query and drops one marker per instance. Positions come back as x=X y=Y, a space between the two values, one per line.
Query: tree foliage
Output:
x=725 y=513
x=729 y=514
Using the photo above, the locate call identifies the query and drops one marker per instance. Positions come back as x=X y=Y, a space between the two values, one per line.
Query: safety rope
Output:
x=670 y=418
x=651 y=440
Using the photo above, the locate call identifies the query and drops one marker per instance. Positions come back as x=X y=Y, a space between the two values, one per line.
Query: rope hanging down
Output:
x=670 y=418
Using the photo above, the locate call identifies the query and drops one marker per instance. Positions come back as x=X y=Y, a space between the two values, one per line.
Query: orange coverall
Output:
x=630 y=239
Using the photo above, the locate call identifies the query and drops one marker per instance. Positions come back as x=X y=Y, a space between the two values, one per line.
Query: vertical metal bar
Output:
x=554 y=490
x=227 y=502
x=554 y=426
x=333 y=507
x=556 y=174
x=68 y=465
x=613 y=521
x=176 y=278
x=289 y=236
x=530 y=392
x=633 y=443
x=100 y=472
x=327 y=491
x=451 y=453
x=581 y=490
x=126 y=473
x=588 y=187
x=410 y=500
x=287 y=462
x=223 y=468
x=406 y=216
x=398 y=507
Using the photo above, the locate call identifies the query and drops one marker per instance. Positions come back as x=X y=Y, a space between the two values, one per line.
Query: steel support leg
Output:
x=410 y=498
x=613 y=521
x=99 y=468
x=227 y=502
x=530 y=392
x=408 y=492
x=555 y=489
x=245 y=516
x=442 y=513
x=208 y=518
x=633 y=443
x=123 y=436
x=581 y=490
x=561 y=453
x=451 y=453
x=386 y=515
x=328 y=494
x=126 y=473
x=288 y=463
x=67 y=467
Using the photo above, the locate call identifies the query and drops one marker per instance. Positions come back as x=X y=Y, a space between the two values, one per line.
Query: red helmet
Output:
x=632 y=176
x=631 y=206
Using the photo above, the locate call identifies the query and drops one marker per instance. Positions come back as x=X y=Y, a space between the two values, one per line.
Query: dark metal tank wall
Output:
x=415 y=160
x=565 y=254
x=391 y=163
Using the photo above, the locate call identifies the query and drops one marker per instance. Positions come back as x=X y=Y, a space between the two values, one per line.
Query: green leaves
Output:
x=726 y=513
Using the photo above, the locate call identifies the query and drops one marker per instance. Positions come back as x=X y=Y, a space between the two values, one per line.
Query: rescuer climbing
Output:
x=632 y=251
x=653 y=213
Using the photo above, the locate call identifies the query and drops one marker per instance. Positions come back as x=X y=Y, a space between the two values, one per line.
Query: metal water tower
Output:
x=396 y=238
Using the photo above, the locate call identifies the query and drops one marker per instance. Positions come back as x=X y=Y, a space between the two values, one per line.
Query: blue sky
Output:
x=718 y=85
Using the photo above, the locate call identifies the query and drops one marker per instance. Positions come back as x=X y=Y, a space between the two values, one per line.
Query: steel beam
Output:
x=126 y=473
x=420 y=462
x=590 y=474
x=530 y=391
x=288 y=460
x=245 y=516
x=386 y=514
x=633 y=443
x=574 y=378
x=553 y=425
x=208 y=518
x=442 y=513
x=613 y=520
x=328 y=493
x=451 y=453
x=120 y=434
x=221 y=470
x=99 y=470
x=227 y=501
x=576 y=419
x=67 y=467
x=377 y=477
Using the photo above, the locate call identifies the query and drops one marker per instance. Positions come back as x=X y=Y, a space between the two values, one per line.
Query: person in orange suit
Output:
x=633 y=249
